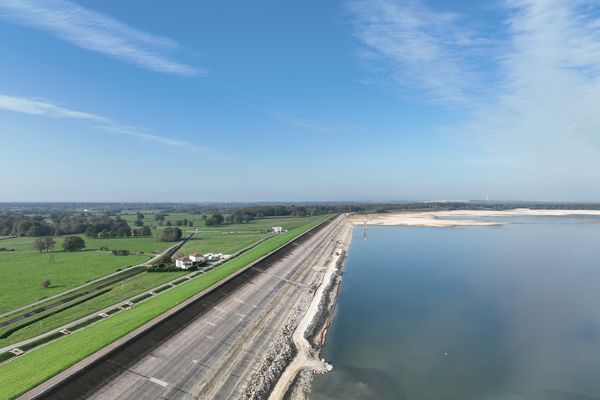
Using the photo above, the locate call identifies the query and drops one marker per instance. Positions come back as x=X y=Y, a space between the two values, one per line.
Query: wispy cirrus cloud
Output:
x=544 y=113
x=537 y=108
x=97 y=32
x=418 y=47
x=45 y=108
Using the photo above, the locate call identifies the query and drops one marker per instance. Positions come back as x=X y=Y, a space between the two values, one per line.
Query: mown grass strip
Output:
x=40 y=317
x=65 y=299
x=40 y=341
x=84 y=323
x=132 y=286
x=33 y=368
x=6 y=356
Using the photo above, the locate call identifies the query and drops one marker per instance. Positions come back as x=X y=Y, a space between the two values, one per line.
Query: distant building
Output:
x=184 y=263
x=277 y=229
x=196 y=257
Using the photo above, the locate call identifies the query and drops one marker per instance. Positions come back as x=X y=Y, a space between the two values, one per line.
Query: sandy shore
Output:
x=432 y=218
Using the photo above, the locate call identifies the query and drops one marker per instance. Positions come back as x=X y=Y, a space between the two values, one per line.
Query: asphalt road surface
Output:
x=208 y=351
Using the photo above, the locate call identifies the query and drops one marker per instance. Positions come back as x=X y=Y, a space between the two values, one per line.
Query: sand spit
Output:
x=432 y=218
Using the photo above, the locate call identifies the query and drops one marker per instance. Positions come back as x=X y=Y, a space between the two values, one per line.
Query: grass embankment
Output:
x=64 y=298
x=217 y=242
x=120 y=291
x=210 y=240
x=31 y=369
x=22 y=272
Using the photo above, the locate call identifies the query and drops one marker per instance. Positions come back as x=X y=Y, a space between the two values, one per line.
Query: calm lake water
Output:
x=469 y=313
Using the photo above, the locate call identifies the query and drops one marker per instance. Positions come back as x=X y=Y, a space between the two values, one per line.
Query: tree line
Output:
x=64 y=223
x=47 y=243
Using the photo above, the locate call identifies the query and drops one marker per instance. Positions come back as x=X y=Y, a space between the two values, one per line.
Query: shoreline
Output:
x=306 y=339
x=432 y=218
x=313 y=325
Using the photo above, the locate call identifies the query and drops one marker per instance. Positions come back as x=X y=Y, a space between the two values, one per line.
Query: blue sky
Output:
x=310 y=100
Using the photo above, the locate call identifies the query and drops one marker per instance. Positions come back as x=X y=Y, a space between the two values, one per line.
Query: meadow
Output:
x=32 y=368
x=118 y=292
x=22 y=273
x=23 y=270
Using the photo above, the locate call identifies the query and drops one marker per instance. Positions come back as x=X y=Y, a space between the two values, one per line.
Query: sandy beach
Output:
x=433 y=218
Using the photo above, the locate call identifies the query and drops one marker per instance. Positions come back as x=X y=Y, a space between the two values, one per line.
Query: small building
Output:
x=277 y=229
x=196 y=257
x=184 y=263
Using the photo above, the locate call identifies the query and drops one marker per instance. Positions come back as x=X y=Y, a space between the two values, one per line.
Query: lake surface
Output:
x=469 y=313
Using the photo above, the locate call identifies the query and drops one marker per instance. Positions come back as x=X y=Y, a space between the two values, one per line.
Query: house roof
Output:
x=184 y=259
x=197 y=255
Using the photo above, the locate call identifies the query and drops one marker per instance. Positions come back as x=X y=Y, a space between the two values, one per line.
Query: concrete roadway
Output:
x=216 y=346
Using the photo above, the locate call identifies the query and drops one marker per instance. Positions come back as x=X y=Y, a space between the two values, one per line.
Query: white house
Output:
x=196 y=257
x=184 y=263
x=277 y=229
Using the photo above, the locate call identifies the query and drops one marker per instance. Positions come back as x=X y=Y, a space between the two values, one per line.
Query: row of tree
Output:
x=24 y=225
x=47 y=243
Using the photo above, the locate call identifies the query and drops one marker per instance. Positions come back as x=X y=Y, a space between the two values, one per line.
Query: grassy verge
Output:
x=105 y=282
x=31 y=369
x=22 y=273
x=54 y=318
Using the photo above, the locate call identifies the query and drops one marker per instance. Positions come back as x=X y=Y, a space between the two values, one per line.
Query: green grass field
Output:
x=217 y=242
x=198 y=223
x=121 y=291
x=30 y=369
x=134 y=245
x=22 y=273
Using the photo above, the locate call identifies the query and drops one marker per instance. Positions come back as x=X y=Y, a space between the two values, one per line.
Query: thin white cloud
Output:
x=545 y=112
x=97 y=32
x=44 y=108
x=302 y=123
x=47 y=109
x=418 y=47
x=537 y=111
x=141 y=134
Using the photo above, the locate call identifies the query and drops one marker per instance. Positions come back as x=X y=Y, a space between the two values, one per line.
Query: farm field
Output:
x=217 y=242
x=119 y=292
x=24 y=372
x=23 y=270
x=228 y=238
x=134 y=245
x=22 y=273
x=257 y=225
